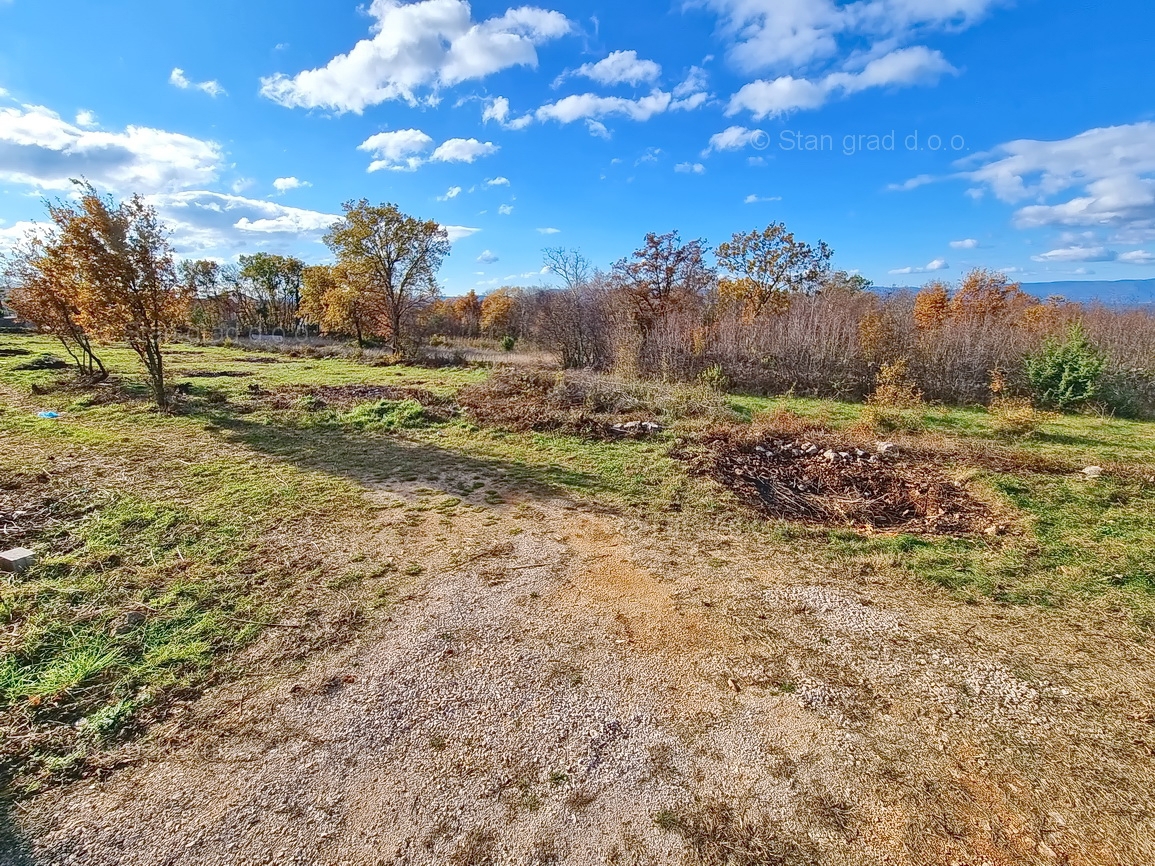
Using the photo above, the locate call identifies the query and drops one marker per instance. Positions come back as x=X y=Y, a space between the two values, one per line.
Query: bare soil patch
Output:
x=825 y=481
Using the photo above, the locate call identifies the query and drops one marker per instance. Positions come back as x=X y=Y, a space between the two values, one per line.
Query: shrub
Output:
x=714 y=378
x=388 y=415
x=894 y=388
x=507 y=343
x=1016 y=417
x=1067 y=374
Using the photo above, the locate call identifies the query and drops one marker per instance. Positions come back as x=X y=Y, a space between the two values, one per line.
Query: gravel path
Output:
x=573 y=687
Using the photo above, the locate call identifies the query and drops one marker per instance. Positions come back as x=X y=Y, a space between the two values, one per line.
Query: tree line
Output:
x=764 y=311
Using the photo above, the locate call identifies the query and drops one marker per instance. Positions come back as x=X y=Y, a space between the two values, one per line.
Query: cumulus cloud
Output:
x=733 y=138
x=414 y=50
x=759 y=199
x=793 y=34
x=451 y=193
x=1102 y=178
x=900 y=68
x=621 y=67
x=404 y=149
x=968 y=244
x=40 y=149
x=178 y=79
x=690 y=168
x=1137 y=257
x=203 y=222
x=549 y=231
x=463 y=150
x=591 y=106
x=287 y=184
x=12 y=235
x=498 y=110
x=505 y=209
x=497 y=181
x=936 y=265
x=487 y=258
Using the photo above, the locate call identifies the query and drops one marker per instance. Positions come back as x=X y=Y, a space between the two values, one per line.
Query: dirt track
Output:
x=574 y=687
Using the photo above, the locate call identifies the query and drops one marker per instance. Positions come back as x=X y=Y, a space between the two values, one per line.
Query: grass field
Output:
x=171 y=542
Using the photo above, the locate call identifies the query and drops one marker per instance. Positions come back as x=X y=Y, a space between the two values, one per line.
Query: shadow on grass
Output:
x=370 y=458
x=14 y=847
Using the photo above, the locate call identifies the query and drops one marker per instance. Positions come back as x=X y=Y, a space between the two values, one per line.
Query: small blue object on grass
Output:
x=49 y=415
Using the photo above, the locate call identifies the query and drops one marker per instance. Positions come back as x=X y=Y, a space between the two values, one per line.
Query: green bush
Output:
x=507 y=343
x=388 y=415
x=1066 y=374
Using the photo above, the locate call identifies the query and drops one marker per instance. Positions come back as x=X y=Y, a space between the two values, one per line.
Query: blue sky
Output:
x=1023 y=132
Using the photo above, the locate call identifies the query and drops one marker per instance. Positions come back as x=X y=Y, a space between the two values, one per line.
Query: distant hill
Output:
x=1118 y=292
x=1123 y=293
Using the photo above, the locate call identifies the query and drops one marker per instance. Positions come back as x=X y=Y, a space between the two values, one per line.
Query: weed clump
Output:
x=388 y=415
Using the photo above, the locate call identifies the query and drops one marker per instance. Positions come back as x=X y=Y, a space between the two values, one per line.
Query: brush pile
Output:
x=826 y=483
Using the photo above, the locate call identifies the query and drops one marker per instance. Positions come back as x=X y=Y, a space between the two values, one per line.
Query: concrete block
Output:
x=16 y=560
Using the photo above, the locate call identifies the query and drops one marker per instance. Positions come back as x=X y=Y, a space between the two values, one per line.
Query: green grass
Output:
x=181 y=548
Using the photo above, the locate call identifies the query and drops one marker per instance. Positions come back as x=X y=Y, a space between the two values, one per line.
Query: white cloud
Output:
x=1103 y=178
x=463 y=150
x=451 y=193
x=936 y=265
x=14 y=234
x=403 y=150
x=497 y=109
x=86 y=119
x=968 y=244
x=733 y=138
x=549 y=231
x=1138 y=257
x=598 y=129
x=904 y=67
x=758 y=199
x=204 y=221
x=621 y=67
x=591 y=106
x=696 y=81
x=1077 y=254
x=418 y=48
x=287 y=184
x=178 y=79
x=397 y=150
x=487 y=258
x=497 y=181
x=505 y=209
x=457 y=233
x=794 y=34
x=40 y=149
x=690 y=168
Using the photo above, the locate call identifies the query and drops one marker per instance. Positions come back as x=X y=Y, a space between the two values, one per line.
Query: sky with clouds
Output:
x=918 y=138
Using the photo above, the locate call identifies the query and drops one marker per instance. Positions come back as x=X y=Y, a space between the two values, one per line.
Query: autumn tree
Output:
x=498 y=309
x=663 y=273
x=932 y=306
x=397 y=256
x=275 y=283
x=764 y=268
x=44 y=290
x=339 y=302
x=127 y=282
x=467 y=311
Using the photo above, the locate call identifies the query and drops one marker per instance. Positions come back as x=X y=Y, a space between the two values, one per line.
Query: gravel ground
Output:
x=563 y=686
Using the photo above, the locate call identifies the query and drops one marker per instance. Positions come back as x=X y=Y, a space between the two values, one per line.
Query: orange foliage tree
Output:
x=108 y=270
x=45 y=292
x=764 y=268
x=338 y=300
